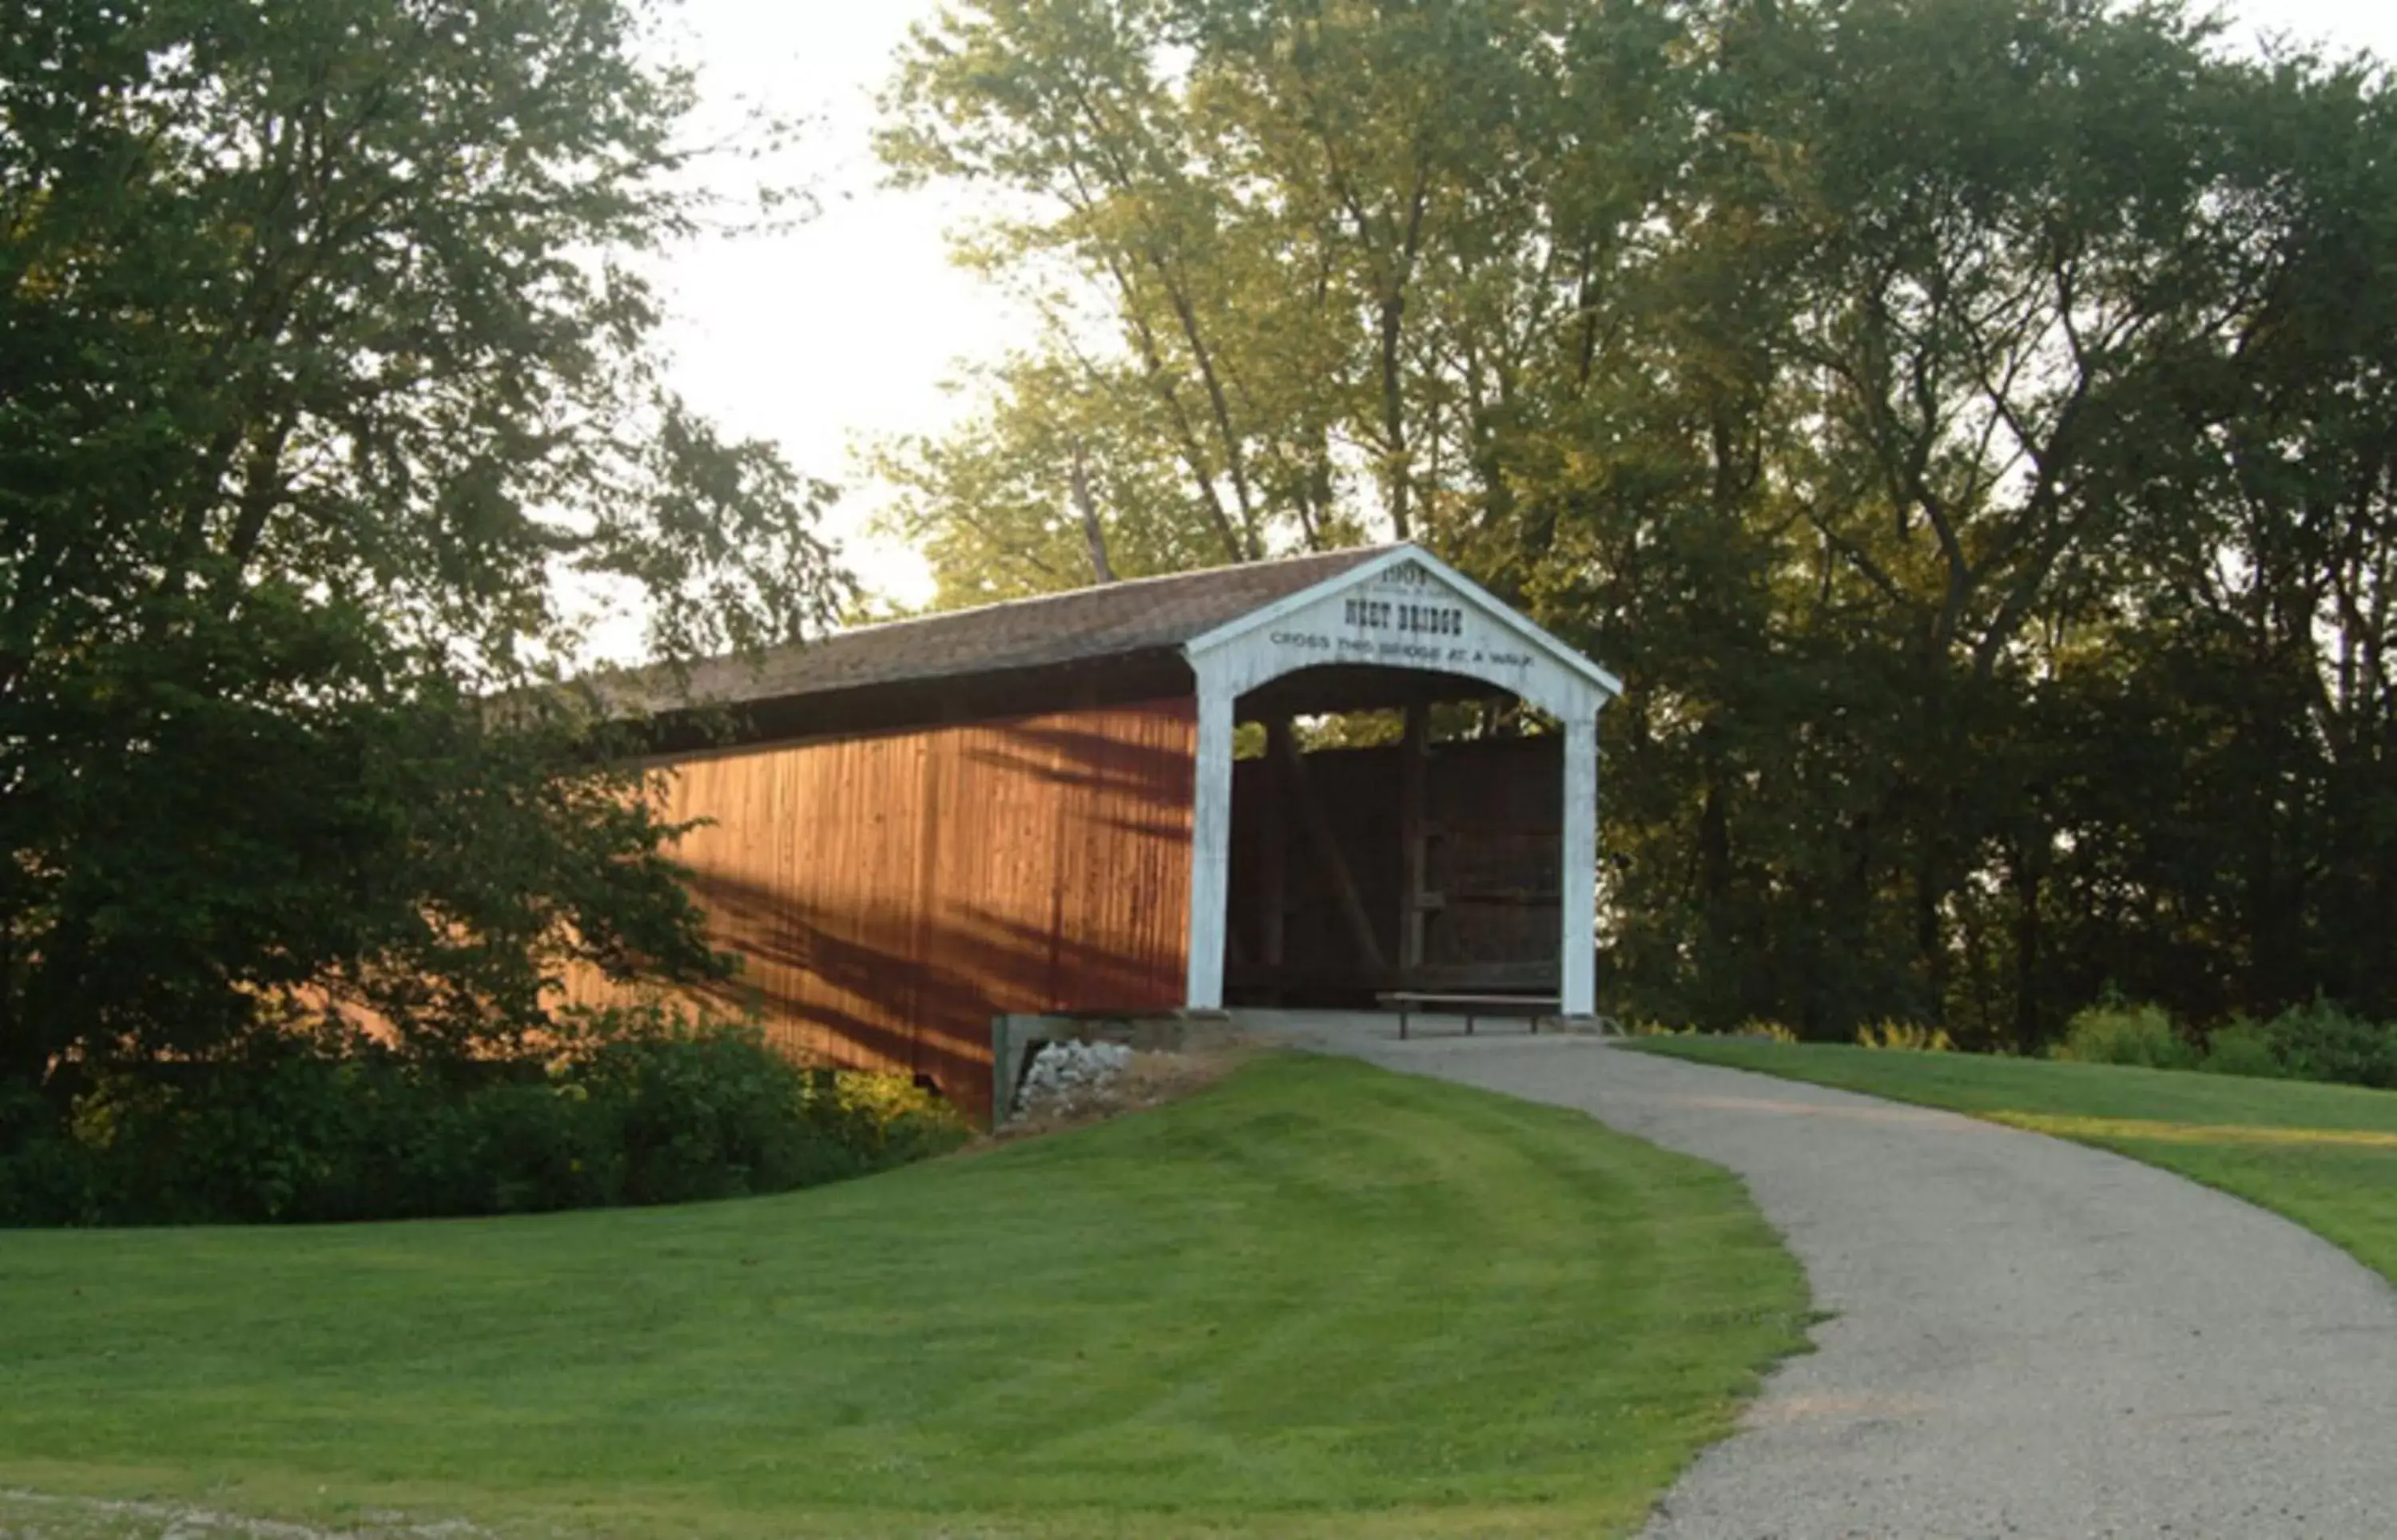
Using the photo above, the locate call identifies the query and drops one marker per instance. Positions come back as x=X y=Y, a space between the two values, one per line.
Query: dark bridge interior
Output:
x=1413 y=865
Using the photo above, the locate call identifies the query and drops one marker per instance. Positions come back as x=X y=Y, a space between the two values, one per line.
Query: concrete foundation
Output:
x=1015 y=1038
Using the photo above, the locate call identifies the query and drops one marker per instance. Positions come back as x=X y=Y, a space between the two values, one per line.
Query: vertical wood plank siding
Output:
x=890 y=894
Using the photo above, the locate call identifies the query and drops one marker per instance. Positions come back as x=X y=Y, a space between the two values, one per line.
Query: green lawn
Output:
x=2324 y=1155
x=1315 y=1299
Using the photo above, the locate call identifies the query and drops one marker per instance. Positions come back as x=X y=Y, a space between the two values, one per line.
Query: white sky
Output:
x=848 y=327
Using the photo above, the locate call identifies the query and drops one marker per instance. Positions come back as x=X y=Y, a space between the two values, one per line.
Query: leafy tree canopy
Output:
x=1966 y=423
x=326 y=363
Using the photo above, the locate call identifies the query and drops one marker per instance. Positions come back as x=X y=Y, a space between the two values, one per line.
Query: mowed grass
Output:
x=2323 y=1155
x=1316 y=1298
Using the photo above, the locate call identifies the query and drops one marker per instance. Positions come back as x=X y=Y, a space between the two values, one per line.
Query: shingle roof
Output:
x=1113 y=619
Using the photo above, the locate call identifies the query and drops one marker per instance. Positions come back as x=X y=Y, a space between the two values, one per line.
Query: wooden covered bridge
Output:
x=1037 y=806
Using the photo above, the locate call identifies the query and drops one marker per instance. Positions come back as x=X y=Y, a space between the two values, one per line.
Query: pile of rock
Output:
x=1066 y=1078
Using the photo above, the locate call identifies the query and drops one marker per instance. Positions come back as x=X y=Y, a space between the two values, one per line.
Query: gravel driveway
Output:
x=2030 y=1337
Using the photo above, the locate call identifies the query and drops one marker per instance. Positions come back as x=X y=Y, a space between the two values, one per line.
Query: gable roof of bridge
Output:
x=1185 y=614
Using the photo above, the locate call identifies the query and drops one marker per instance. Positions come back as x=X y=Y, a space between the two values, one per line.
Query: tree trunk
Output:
x=1102 y=570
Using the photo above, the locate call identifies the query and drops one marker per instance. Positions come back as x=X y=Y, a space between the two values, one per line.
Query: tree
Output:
x=2256 y=678
x=327 y=363
x=1961 y=421
x=1310 y=268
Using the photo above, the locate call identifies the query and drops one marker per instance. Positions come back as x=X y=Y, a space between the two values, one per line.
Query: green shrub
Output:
x=2322 y=1042
x=41 y=1171
x=1754 y=1028
x=629 y=1107
x=717 y=1112
x=1904 y=1036
x=2117 y=1034
x=2243 y=1047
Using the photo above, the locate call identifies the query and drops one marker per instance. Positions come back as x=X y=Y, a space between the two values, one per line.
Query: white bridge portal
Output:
x=1403 y=610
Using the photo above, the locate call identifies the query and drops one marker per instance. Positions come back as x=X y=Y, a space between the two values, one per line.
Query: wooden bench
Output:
x=1414 y=1002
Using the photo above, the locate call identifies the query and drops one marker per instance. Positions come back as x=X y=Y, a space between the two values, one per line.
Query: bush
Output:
x=718 y=1113
x=628 y=1106
x=2116 y=1033
x=1906 y=1036
x=40 y=1170
x=1754 y=1028
x=2322 y=1043
x=2241 y=1048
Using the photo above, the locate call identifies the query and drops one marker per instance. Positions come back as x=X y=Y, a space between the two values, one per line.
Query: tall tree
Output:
x=1960 y=419
x=327 y=362
x=1308 y=265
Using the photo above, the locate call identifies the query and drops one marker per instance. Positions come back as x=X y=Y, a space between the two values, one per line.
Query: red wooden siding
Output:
x=891 y=893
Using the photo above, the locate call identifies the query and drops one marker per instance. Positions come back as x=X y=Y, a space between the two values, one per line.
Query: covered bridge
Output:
x=1036 y=806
